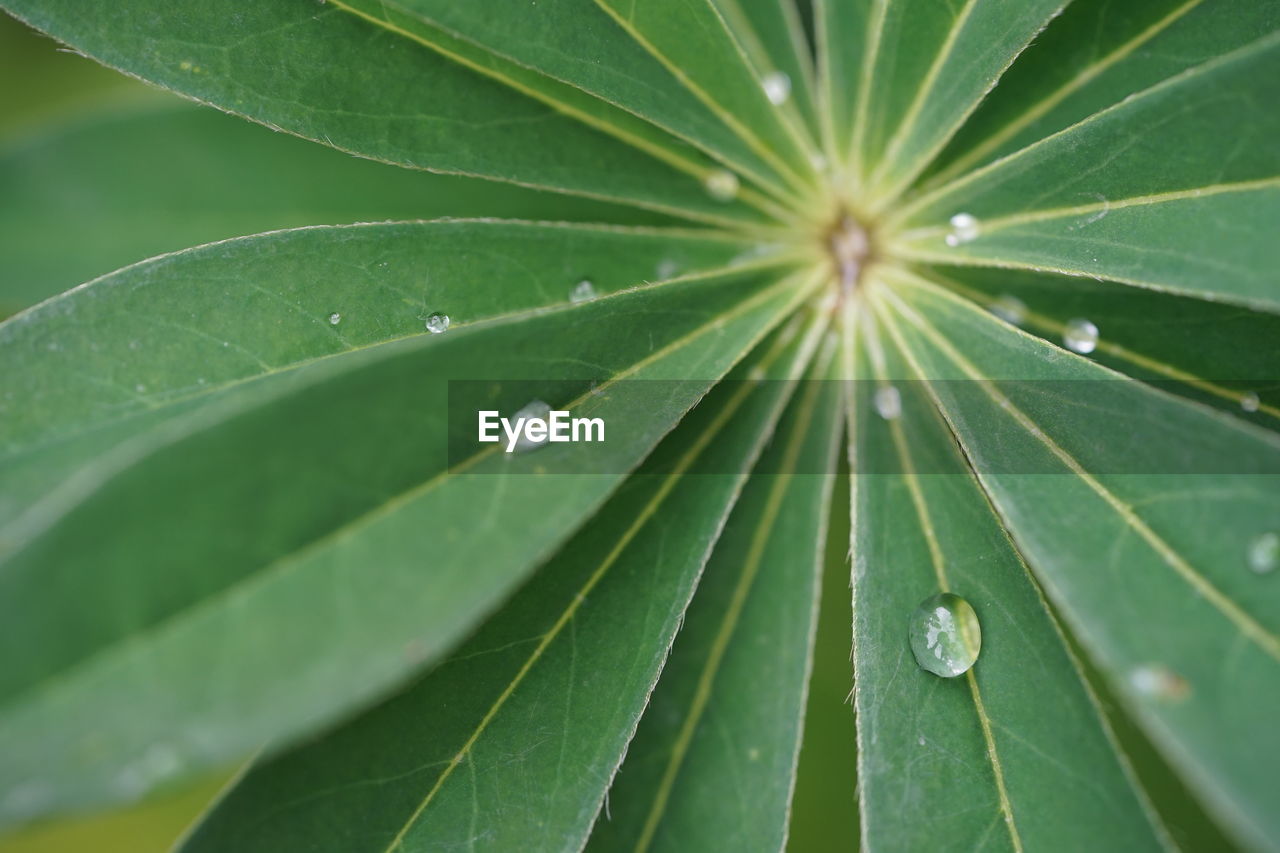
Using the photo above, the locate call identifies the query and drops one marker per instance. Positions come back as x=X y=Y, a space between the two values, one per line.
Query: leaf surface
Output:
x=1142 y=193
x=125 y=591
x=929 y=65
x=713 y=763
x=130 y=183
x=1137 y=511
x=554 y=683
x=1013 y=754
x=322 y=73
x=1098 y=53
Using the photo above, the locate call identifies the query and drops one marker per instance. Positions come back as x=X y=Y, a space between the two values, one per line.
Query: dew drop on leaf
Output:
x=945 y=635
x=721 y=184
x=1250 y=402
x=1011 y=309
x=437 y=323
x=777 y=87
x=1080 y=336
x=964 y=229
x=667 y=268
x=888 y=402
x=583 y=291
x=335 y=318
x=1264 y=553
x=534 y=409
x=1159 y=682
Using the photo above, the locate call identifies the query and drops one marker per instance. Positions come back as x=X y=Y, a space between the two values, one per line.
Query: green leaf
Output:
x=555 y=681
x=710 y=728
x=1099 y=199
x=334 y=78
x=1215 y=353
x=539 y=50
x=841 y=71
x=927 y=66
x=1079 y=67
x=1142 y=545
x=978 y=759
x=128 y=184
x=162 y=586
x=773 y=37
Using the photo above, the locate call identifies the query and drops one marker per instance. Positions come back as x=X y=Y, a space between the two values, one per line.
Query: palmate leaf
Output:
x=238 y=514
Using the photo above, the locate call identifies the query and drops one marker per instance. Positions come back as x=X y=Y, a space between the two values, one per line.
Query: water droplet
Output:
x=1080 y=336
x=534 y=409
x=335 y=318
x=777 y=87
x=1011 y=309
x=920 y=741
x=667 y=268
x=437 y=323
x=1158 y=681
x=583 y=291
x=888 y=402
x=756 y=373
x=140 y=388
x=1264 y=553
x=1250 y=402
x=721 y=184
x=945 y=635
x=964 y=229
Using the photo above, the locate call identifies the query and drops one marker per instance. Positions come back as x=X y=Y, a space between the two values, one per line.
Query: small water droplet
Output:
x=135 y=345
x=1158 y=681
x=756 y=373
x=437 y=323
x=534 y=409
x=920 y=741
x=945 y=635
x=777 y=87
x=1264 y=553
x=1011 y=309
x=335 y=318
x=964 y=229
x=888 y=402
x=721 y=184
x=1250 y=402
x=583 y=291
x=667 y=268
x=1080 y=336
x=140 y=388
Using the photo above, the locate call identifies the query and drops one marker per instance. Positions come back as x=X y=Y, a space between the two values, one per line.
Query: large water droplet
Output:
x=1158 y=681
x=1264 y=553
x=437 y=323
x=534 y=409
x=721 y=184
x=965 y=228
x=583 y=291
x=1080 y=336
x=1250 y=401
x=335 y=318
x=777 y=87
x=945 y=635
x=888 y=402
x=1011 y=309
